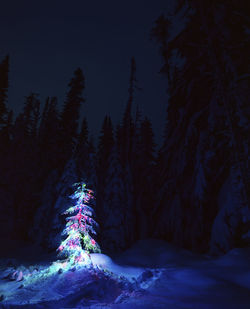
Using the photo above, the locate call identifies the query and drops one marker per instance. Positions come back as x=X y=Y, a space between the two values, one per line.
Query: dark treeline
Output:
x=44 y=151
x=194 y=192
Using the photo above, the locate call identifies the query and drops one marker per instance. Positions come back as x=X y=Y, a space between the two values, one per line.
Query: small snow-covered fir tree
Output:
x=79 y=227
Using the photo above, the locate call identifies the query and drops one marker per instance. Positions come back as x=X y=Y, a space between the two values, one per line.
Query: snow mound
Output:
x=156 y=253
x=103 y=261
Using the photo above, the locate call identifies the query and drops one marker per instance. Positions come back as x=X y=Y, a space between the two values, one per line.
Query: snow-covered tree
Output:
x=114 y=225
x=79 y=242
x=207 y=128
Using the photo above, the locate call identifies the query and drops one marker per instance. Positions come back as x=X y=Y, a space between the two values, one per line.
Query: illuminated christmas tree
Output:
x=79 y=242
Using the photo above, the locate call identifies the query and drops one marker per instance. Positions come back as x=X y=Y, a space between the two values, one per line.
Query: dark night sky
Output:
x=47 y=41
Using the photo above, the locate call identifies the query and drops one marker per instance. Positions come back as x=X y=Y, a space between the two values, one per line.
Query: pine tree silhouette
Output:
x=4 y=85
x=70 y=115
x=48 y=137
x=201 y=131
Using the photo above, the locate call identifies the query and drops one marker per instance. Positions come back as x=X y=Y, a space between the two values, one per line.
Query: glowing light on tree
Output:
x=79 y=243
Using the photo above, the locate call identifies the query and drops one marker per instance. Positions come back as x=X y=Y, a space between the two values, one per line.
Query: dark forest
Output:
x=192 y=191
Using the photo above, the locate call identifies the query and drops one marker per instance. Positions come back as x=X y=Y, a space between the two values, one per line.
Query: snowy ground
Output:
x=152 y=274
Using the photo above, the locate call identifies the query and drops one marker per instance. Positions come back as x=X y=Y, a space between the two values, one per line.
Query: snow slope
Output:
x=151 y=274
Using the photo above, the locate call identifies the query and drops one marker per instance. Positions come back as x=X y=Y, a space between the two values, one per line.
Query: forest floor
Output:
x=151 y=274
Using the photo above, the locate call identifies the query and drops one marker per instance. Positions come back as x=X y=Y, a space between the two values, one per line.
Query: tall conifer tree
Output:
x=4 y=85
x=201 y=130
x=71 y=114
